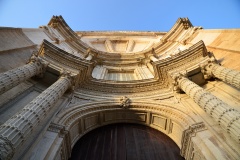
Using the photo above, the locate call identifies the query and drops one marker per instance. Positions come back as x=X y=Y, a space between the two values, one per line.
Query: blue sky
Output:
x=137 y=15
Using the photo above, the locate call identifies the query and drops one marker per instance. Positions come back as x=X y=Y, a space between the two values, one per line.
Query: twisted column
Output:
x=226 y=116
x=227 y=75
x=15 y=76
x=14 y=131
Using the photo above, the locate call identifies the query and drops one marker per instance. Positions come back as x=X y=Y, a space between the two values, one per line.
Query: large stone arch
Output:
x=167 y=118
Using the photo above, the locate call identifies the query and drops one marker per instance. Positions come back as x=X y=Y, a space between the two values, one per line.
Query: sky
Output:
x=123 y=15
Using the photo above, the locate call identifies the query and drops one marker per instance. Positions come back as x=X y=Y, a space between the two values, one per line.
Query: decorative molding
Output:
x=125 y=102
x=56 y=128
x=188 y=134
x=70 y=115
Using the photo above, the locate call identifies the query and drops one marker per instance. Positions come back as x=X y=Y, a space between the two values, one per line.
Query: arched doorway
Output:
x=125 y=142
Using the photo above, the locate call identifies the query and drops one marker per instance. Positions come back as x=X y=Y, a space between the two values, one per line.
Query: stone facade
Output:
x=184 y=83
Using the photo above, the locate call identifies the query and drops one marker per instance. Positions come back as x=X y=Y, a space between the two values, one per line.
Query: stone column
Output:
x=226 y=116
x=15 y=76
x=229 y=76
x=15 y=131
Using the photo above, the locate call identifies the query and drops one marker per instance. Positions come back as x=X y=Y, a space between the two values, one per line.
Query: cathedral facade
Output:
x=57 y=85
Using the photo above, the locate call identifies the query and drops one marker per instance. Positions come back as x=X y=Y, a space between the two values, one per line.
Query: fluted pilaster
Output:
x=226 y=116
x=14 y=131
x=227 y=75
x=15 y=76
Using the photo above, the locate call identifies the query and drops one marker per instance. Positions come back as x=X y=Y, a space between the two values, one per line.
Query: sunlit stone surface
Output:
x=57 y=85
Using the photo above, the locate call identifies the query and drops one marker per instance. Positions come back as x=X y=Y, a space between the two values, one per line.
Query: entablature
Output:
x=59 y=60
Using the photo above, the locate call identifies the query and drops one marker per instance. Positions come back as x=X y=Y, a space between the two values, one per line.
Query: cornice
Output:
x=119 y=33
x=134 y=87
x=162 y=67
x=184 y=22
x=188 y=59
x=59 y=23
x=59 y=59
x=182 y=61
x=96 y=95
x=191 y=51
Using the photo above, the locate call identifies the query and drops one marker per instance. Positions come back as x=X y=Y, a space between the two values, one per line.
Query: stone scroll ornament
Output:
x=125 y=102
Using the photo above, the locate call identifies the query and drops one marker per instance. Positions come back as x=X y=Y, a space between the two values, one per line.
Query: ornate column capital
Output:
x=212 y=69
x=35 y=67
x=176 y=78
x=39 y=62
x=66 y=74
x=206 y=68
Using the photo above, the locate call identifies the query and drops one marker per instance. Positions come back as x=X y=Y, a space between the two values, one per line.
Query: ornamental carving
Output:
x=7 y=149
x=176 y=77
x=206 y=68
x=188 y=133
x=125 y=102
x=40 y=62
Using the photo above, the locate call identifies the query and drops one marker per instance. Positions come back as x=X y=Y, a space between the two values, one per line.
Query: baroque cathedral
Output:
x=68 y=94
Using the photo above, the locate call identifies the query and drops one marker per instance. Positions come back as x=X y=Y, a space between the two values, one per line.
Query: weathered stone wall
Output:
x=15 y=48
x=36 y=35
x=224 y=43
